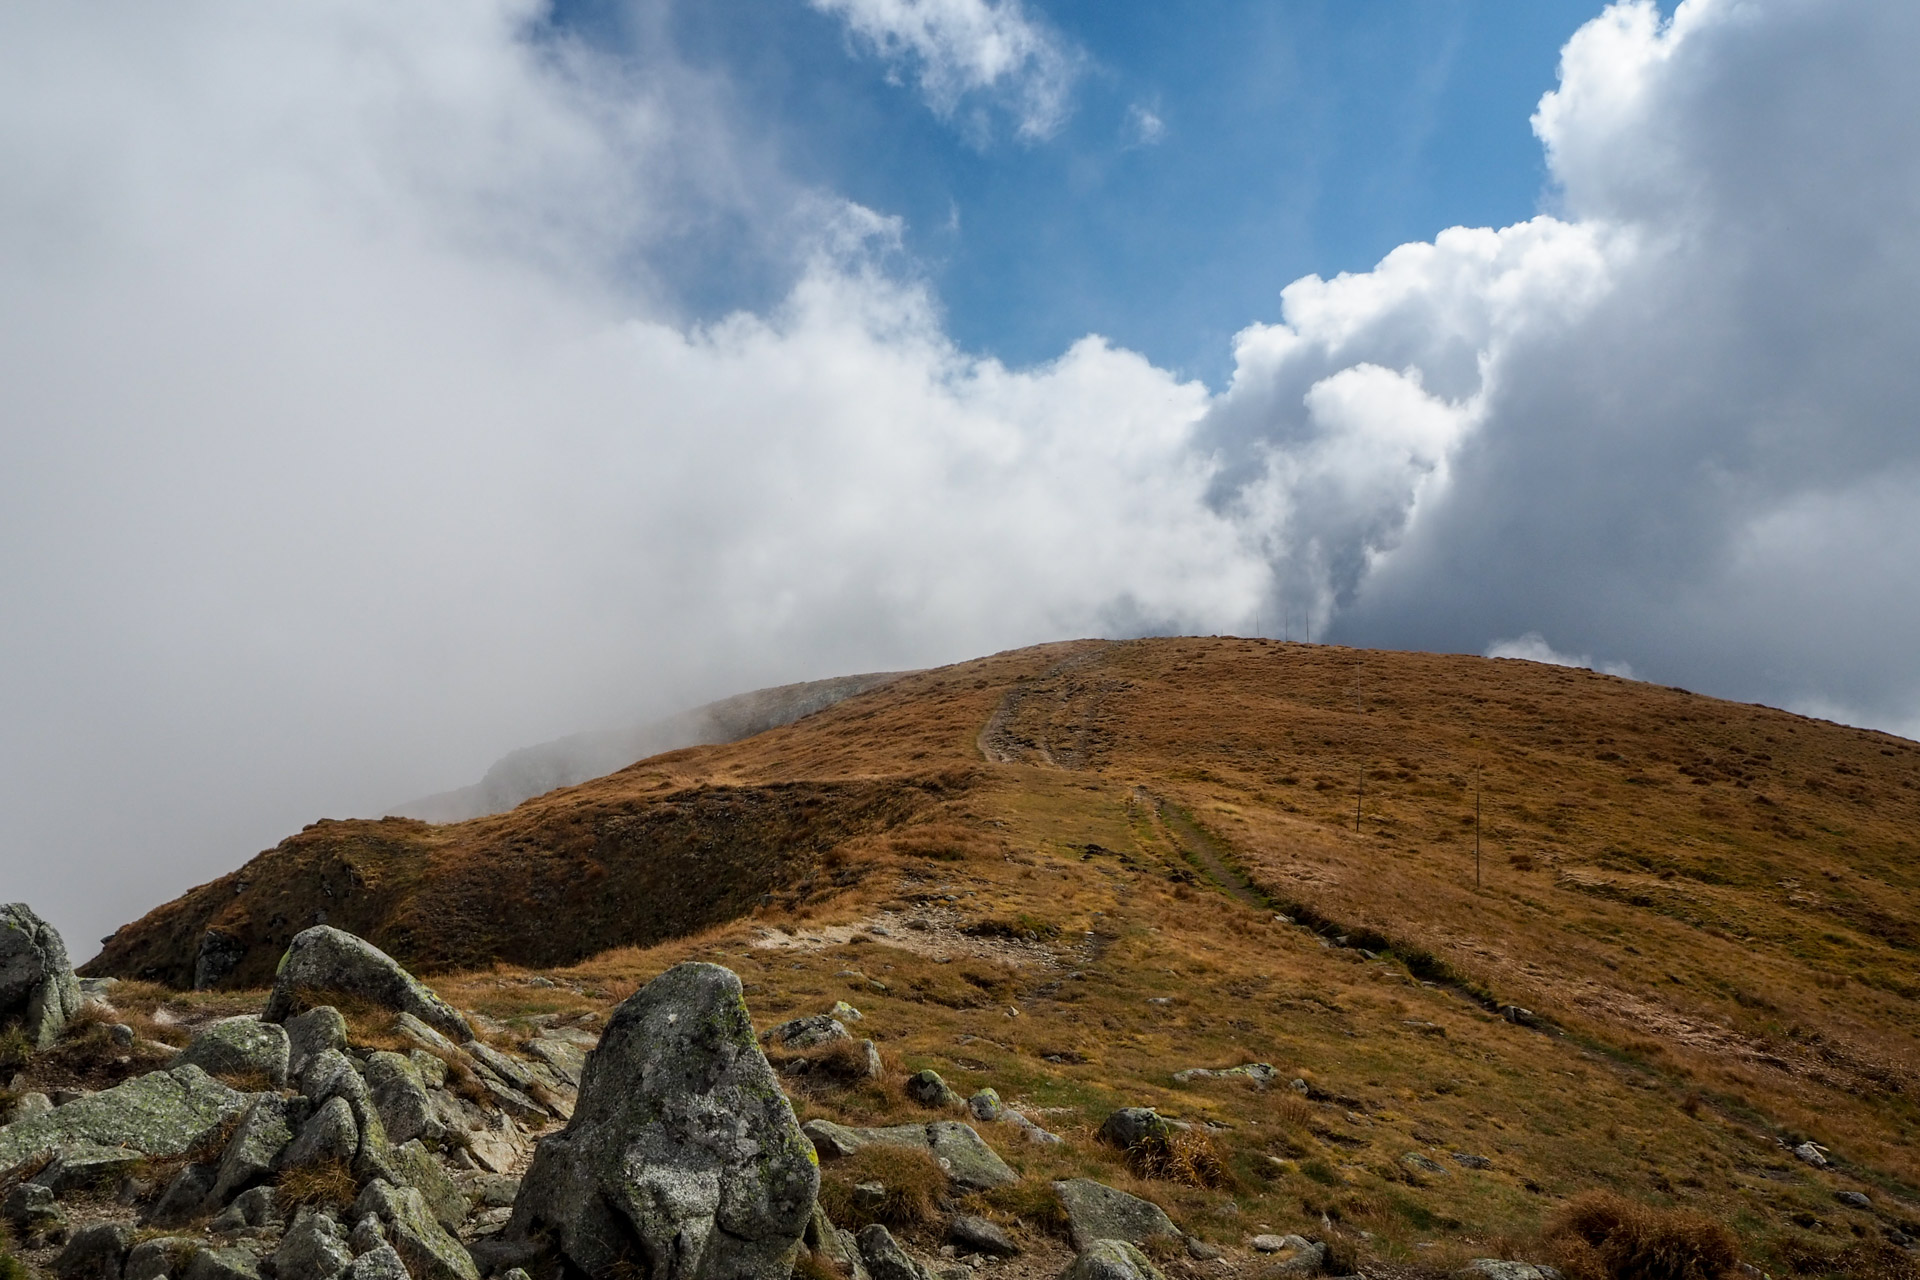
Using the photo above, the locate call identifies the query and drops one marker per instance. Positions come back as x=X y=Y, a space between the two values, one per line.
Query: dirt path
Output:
x=1199 y=847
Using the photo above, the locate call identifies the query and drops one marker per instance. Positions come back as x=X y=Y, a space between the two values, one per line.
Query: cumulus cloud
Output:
x=1533 y=647
x=1669 y=421
x=990 y=51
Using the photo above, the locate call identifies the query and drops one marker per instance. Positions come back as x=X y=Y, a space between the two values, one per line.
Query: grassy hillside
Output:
x=1071 y=871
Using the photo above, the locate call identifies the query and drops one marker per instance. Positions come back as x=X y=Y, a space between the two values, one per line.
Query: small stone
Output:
x=1291 y=1255
x=844 y=1012
x=222 y=1264
x=1853 y=1199
x=978 y=1235
x=884 y=1257
x=311 y=1034
x=986 y=1105
x=29 y=1105
x=869 y=1195
x=1130 y=1126
x=367 y=1234
x=381 y=1263
x=1501 y=1269
x=120 y=1036
x=1467 y=1160
x=239 y=1047
x=805 y=1033
x=181 y=1202
x=929 y=1090
x=315 y=1247
x=1423 y=1164
x=1200 y=1251
x=1812 y=1153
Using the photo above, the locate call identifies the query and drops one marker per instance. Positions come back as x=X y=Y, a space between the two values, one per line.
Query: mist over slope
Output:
x=531 y=771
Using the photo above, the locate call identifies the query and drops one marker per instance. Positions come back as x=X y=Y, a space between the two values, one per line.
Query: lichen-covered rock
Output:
x=401 y=1098
x=37 y=986
x=959 y=1149
x=1096 y=1211
x=329 y=1134
x=1130 y=1126
x=884 y=1257
x=563 y=1058
x=929 y=1090
x=98 y=1252
x=1290 y=1256
x=979 y=1235
x=322 y=963
x=805 y=1033
x=311 y=1034
x=163 y=1113
x=80 y=1166
x=184 y=1197
x=263 y=1132
x=332 y=1076
x=838 y=1247
x=681 y=1141
x=986 y=1104
x=381 y=1263
x=231 y=1263
x=314 y=1248
x=30 y=1211
x=1111 y=1260
x=1501 y=1269
x=160 y=1257
x=418 y=1169
x=423 y=1244
x=239 y=1046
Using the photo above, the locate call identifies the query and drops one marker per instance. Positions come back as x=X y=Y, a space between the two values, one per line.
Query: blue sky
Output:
x=1300 y=137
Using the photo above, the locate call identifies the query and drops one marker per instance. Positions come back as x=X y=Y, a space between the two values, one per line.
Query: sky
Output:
x=388 y=385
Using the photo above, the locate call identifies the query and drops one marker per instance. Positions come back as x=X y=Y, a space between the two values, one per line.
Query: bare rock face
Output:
x=37 y=986
x=323 y=963
x=683 y=1157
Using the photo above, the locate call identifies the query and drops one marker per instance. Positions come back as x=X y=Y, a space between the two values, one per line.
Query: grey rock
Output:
x=681 y=1139
x=29 y=1105
x=805 y=1033
x=429 y=1252
x=1500 y=1269
x=966 y=1157
x=844 y=1012
x=836 y=1246
x=37 y=986
x=961 y=1151
x=231 y=1263
x=239 y=1046
x=368 y=1234
x=1467 y=1160
x=258 y=1207
x=98 y=1252
x=333 y=1076
x=1424 y=1164
x=978 y=1235
x=185 y=1197
x=160 y=1258
x=1853 y=1199
x=884 y=1257
x=1096 y=1211
x=1812 y=1153
x=162 y=1113
x=875 y=1068
x=418 y=1169
x=314 y=1248
x=1032 y=1132
x=400 y=1096
x=322 y=961
x=120 y=1036
x=30 y=1211
x=428 y=1038
x=1200 y=1251
x=382 y=1263
x=1130 y=1126
x=1111 y=1260
x=263 y=1132
x=1258 y=1072
x=929 y=1090
x=1291 y=1255
x=495 y=1190
x=513 y=1073
x=311 y=1034
x=564 y=1058
x=432 y=1068
x=86 y=1166
x=329 y=1134
x=219 y=955
x=986 y=1104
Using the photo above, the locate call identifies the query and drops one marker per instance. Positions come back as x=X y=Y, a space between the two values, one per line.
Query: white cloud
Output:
x=1533 y=647
x=991 y=50
x=1145 y=127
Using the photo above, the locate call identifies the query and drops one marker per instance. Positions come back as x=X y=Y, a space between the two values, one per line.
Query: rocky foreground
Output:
x=289 y=1144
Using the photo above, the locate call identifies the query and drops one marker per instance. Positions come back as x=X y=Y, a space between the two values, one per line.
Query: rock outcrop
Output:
x=683 y=1157
x=163 y=1113
x=1096 y=1211
x=323 y=964
x=37 y=987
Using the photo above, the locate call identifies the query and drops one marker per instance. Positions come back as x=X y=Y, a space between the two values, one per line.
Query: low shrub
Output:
x=1603 y=1236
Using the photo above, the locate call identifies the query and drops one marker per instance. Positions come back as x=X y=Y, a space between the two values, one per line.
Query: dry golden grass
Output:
x=913 y=1185
x=1711 y=908
x=1601 y=1236
x=328 y=1183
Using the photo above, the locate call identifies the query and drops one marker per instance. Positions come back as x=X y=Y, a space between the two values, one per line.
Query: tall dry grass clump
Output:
x=329 y=1182
x=1603 y=1236
x=1183 y=1156
x=912 y=1179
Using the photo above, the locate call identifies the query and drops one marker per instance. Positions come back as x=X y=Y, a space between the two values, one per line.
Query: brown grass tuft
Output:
x=328 y=1183
x=1603 y=1236
x=1185 y=1156
x=914 y=1185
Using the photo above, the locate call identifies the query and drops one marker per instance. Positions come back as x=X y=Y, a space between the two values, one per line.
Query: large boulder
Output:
x=1096 y=1211
x=37 y=986
x=242 y=1046
x=401 y=1098
x=681 y=1143
x=323 y=964
x=163 y=1113
x=263 y=1132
